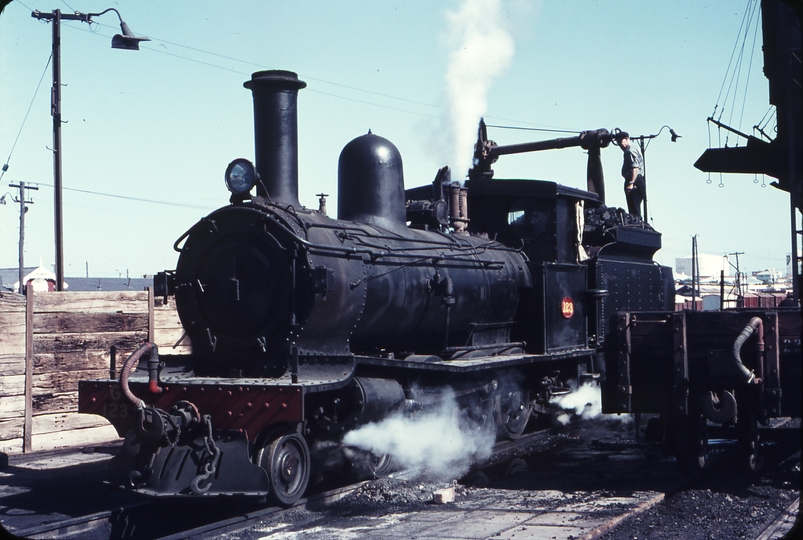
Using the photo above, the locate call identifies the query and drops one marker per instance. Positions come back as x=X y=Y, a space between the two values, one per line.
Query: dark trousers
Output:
x=636 y=196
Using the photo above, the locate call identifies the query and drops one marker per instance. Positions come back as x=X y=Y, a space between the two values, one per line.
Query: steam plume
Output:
x=482 y=51
x=585 y=402
x=432 y=440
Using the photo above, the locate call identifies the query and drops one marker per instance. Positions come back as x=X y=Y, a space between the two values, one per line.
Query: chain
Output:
x=209 y=461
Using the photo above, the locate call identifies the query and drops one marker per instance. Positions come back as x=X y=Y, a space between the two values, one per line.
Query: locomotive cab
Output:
x=544 y=220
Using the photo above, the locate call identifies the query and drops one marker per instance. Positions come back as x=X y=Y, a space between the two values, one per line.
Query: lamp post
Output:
x=127 y=41
x=643 y=142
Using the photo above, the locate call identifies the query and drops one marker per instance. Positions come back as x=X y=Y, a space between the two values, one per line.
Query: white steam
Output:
x=585 y=402
x=482 y=51
x=430 y=440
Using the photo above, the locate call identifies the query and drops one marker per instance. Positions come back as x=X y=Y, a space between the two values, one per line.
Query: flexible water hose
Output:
x=125 y=373
x=755 y=325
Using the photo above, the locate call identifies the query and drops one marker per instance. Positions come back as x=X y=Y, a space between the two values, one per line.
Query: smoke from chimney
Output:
x=482 y=50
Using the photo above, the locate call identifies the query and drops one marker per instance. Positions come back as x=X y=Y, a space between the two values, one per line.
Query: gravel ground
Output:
x=598 y=467
x=720 y=505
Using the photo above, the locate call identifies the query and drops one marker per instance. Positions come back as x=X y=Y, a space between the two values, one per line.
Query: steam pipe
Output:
x=448 y=301
x=755 y=325
x=125 y=373
x=153 y=371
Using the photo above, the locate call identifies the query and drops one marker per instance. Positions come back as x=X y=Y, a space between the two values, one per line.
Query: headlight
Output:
x=240 y=176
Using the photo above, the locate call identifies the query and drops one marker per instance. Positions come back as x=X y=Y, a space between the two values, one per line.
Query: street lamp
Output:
x=127 y=40
x=644 y=141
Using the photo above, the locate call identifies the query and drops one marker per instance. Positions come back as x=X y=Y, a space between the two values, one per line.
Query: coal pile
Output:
x=396 y=494
x=603 y=218
x=720 y=505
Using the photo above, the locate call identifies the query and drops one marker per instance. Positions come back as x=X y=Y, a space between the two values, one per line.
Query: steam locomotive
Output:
x=305 y=327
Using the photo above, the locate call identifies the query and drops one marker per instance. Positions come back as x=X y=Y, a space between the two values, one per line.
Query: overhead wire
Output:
x=262 y=66
x=307 y=77
x=128 y=198
x=311 y=78
x=239 y=72
x=749 y=70
x=750 y=63
x=736 y=66
x=13 y=146
x=68 y=5
x=23 y=5
x=742 y=27
x=762 y=124
x=311 y=90
x=733 y=80
x=730 y=63
x=546 y=130
x=737 y=73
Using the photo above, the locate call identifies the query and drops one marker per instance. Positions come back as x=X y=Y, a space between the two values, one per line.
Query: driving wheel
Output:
x=514 y=410
x=287 y=459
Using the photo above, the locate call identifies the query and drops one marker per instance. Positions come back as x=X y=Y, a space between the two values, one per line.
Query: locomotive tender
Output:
x=304 y=327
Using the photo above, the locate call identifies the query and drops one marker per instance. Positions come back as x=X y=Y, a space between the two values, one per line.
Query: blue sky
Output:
x=156 y=128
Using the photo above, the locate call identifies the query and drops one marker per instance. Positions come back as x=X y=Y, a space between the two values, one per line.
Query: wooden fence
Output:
x=51 y=340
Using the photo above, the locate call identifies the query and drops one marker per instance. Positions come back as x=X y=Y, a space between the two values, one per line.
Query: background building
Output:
x=709 y=266
x=45 y=280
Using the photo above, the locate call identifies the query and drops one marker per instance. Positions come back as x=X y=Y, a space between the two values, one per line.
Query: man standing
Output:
x=633 y=173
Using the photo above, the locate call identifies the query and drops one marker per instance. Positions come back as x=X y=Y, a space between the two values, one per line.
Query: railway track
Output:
x=550 y=460
x=146 y=519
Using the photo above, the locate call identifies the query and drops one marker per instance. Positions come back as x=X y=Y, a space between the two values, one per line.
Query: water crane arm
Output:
x=486 y=152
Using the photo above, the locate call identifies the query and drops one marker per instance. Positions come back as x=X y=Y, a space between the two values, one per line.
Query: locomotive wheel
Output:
x=515 y=413
x=755 y=456
x=365 y=464
x=478 y=416
x=749 y=437
x=286 y=457
x=691 y=441
x=382 y=465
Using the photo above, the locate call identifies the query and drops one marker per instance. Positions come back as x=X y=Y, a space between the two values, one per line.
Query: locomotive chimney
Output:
x=276 y=134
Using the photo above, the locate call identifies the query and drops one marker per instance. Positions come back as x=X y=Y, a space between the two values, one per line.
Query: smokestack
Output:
x=276 y=134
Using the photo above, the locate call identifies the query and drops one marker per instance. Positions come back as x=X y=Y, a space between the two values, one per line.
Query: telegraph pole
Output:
x=21 y=200
x=126 y=40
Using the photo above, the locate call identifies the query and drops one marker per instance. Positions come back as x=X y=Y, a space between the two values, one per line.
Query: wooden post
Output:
x=113 y=362
x=151 y=316
x=28 y=422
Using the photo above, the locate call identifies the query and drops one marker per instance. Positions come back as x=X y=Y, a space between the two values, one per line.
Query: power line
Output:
x=68 y=5
x=246 y=74
x=535 y=129
x=389 y=107
x=23 y=5
x=262 y=66
x=128 y=198
x=13 y=146
x=305 y=76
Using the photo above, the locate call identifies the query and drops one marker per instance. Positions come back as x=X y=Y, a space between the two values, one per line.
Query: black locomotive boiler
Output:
x=304 y=327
